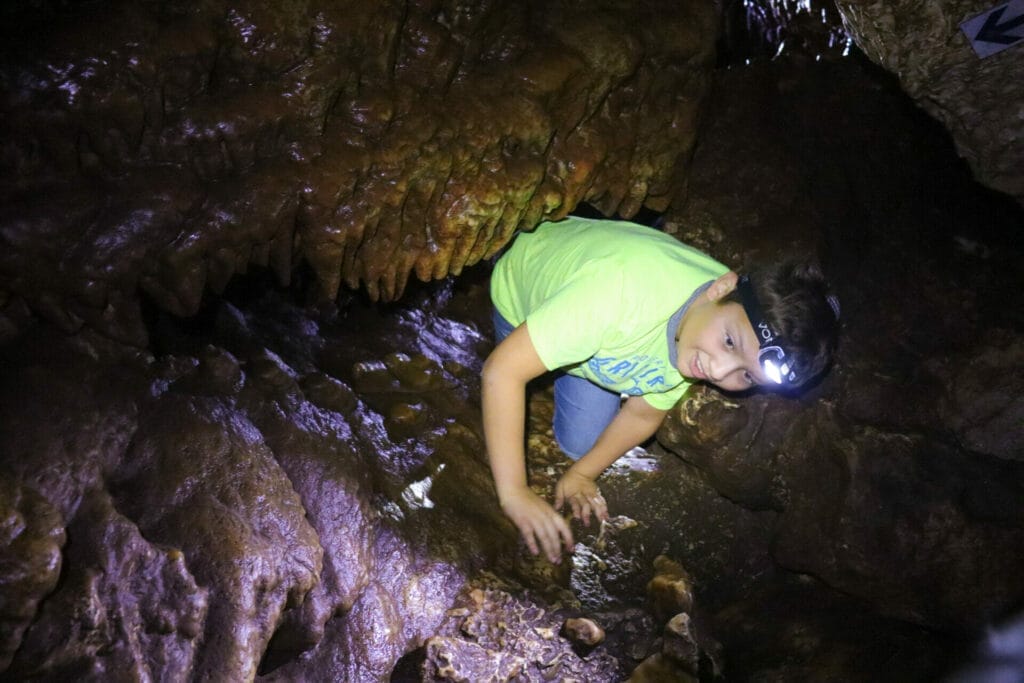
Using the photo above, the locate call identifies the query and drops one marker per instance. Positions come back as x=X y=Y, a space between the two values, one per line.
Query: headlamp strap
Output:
x=768 y=339
x=766 y=336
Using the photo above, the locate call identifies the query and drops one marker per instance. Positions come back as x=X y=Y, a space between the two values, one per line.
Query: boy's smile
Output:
x=716 y=342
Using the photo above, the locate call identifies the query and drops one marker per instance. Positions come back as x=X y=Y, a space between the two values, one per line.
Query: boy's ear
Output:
x=722 y=286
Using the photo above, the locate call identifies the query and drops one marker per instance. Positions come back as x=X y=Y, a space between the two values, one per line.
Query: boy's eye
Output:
x=728 y=341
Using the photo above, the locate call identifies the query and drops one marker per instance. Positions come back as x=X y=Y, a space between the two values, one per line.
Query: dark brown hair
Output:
x=797 y=304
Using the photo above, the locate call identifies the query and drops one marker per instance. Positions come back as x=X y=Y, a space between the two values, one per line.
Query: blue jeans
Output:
x=582 y=409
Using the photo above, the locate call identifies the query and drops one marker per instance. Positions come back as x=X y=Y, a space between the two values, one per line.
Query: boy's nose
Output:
x=721 y=368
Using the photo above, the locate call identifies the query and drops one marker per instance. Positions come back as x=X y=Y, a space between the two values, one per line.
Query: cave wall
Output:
x=255 y=508
x=164 y=147
x=208 y=515
x=898 y=479
x=978 y=100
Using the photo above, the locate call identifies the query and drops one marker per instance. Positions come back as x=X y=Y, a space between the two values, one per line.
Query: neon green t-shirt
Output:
x=602 y=299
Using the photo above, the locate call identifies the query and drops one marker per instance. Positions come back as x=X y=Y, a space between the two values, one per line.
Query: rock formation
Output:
x=271 y=484
x=220 y=512
x=168 y=146
x=977 y=98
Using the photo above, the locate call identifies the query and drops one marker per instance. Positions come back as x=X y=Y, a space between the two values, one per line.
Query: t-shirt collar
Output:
x=673 y=323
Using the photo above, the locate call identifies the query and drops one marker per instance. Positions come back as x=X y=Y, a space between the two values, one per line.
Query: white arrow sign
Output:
x=997 y=29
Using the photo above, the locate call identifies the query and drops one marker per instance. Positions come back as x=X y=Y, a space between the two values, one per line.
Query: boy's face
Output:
x=717 y=344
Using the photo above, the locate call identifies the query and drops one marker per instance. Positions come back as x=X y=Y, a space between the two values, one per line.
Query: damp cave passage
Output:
x=219 y=461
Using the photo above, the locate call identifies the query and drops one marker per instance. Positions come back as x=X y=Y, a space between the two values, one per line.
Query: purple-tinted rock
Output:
x=31 y=536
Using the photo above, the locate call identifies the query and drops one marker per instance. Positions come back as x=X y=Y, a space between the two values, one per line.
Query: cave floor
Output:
x=760 y=621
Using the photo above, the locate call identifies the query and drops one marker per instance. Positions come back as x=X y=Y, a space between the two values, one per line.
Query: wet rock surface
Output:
x=124 y=605
x=31 y=560
x=283 y=488
x=918 y=260
x=964 y=77
x=235 y=526
x=169 y=146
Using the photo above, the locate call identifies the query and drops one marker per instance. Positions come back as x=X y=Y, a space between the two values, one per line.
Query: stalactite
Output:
x=401 y=127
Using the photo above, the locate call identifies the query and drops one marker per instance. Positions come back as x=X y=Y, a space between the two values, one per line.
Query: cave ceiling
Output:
x=164 y=147
x=155 y=150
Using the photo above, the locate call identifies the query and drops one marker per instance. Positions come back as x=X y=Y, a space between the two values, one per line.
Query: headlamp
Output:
x=772 y=360
x=770 y=355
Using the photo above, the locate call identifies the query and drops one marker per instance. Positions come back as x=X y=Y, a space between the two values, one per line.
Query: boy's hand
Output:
x=540 y=525
x=582 y=494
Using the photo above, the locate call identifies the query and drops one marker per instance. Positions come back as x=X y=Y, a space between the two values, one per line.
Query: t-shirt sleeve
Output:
x=570 y=325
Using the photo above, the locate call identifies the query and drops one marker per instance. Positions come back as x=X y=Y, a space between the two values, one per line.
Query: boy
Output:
x=622 y=309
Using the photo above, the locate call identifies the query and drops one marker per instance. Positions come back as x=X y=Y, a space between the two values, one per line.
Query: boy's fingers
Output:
x=565 y=532
x=551 y=542
x=585 y=516
x=531 y=534
x=530 y=542
x=547 y=533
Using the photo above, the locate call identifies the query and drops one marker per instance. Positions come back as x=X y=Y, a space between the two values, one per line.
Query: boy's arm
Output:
x=510 y=366
x=636 y=422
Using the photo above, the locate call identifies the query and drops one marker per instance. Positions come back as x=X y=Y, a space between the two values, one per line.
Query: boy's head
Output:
x=777 y=327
